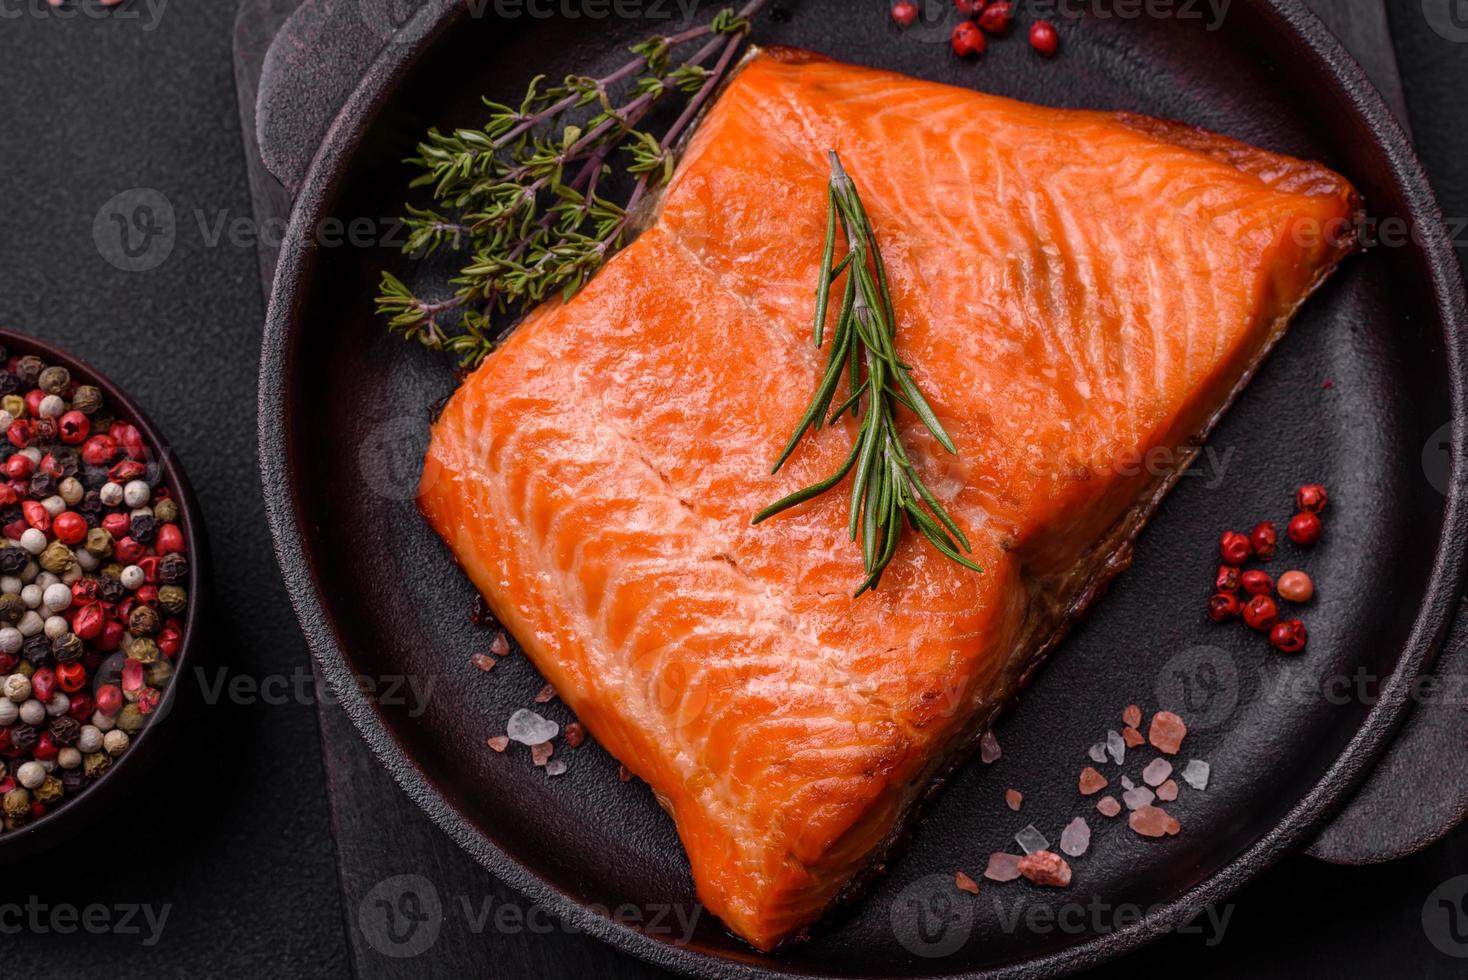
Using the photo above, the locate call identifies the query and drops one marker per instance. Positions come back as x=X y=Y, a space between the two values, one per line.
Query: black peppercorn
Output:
x=173 y=569
x=54 y=380
x=13 y=560
x=9 y=383
x=67 y=648
x=65 y=729
x=37 y=650
x=144 y=621
x=43 y=485
x=90 y=507
x=143 y=528
x=29 y=368
x=110 y=588
x=23 y=737
x=73 y=780
x=93 y=477
x=69 y=463
x=12 y=607
x=45 y=430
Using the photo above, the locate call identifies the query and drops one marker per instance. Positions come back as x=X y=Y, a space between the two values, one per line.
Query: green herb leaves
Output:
x=521 y=199
x=886 y=489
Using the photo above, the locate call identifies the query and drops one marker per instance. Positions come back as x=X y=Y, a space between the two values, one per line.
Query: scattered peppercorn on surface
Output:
x=93 y=573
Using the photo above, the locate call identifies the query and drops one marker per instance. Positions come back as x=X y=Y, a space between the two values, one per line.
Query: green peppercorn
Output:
x=158 y=674
x=130 y=719
x=14 y=404
x=17 y=803
x=99 y=542
x=144 y=621
x=173 y=598
x=143 y=650
x=57 y=558
x=29 y=369
x=54 y=380
x=24 y=667
x=12 y=607
x=87 y=399
x=94 y=764
x=50 y=790
x=166 y=511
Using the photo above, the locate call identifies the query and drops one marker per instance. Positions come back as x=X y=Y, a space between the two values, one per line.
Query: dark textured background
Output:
x=233 y=832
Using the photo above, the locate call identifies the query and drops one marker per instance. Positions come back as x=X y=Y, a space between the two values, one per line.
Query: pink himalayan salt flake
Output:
x=1131 y=737
x=965 y=883
x=1167 y=792
x=500 y=645
x=1014 y=798
x=540 y=753
x=1132 y=715
x=1150 y=821
x=1157 y=772
x=989 y=748
x=483 y=661
x=1108 y=806
x=1002 y=867
x=545 y=694
x=555 y=767
x=1045 y=868
x=1076 y=837
x=499 y=742
x=1091 y=781
x=624 y=774
x=1166 y=732
x=575 y=734
x=1097 y=752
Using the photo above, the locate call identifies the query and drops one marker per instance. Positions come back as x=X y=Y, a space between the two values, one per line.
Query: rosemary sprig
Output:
x=887 y=488
x=521 y=203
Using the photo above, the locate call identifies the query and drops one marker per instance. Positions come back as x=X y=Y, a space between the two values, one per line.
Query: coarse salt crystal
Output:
x=1097 y=752
x=544 y=694
x=1045 y=868
x=1157 y=772
x=1115 y=747
x=1132 y=715
x=555 y=767
x=529 y=728
x=1076 y=837
x=1014 y=798
x=1030 y=840
x=1091 y=781
x=499 y=743
x=1137 y=798
x=483 y=661
x=1195 y=774
x=965 y=883
x=1131 y=737
x=1149 y=821
x=500 y=645
x=1108 y=806
x=1126 y=783
x=989 y=748
x=1166 y=732
x=1002 y=867
x=1167 y=792
x=540 y=754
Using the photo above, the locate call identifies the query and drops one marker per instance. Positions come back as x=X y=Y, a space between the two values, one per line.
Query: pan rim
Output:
x=328 y=171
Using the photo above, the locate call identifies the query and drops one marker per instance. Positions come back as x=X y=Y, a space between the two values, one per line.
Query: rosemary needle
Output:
x=886 y=489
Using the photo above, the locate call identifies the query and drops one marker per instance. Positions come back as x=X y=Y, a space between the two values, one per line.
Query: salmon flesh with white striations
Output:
x=1080 y=295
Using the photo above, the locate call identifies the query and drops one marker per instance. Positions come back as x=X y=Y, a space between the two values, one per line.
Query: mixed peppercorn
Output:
x=982 y=19
x=1249 y=594
x=93 y=574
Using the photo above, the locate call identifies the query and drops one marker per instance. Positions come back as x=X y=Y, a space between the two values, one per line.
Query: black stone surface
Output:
x=233 y=832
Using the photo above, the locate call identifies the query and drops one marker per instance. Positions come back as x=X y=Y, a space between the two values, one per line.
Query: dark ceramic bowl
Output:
x=99 y=798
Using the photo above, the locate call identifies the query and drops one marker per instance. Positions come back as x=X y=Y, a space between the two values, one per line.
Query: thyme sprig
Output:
x=522 y=201
x=887 y=488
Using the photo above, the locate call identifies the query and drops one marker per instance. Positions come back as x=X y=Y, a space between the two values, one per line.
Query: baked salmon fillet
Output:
x=1080 y=295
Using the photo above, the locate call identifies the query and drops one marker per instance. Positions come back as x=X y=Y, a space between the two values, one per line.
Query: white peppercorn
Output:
x=133 y=577
x=33 y=540
x=102 y=722
x=45 y=580
x=54 y=504
x=30 y=623
x=111 y=494
x=17 y=688
x=71 y=491
x=56 y=598
x=85 y=560
x=115 y=742
x=90 y=739
x=58 y=704
x=10 y=584
x=10 y=641
x=56 y=626
x=32 y=712
x=136 y=493
x=8 y=711
x=69 y=758
x=31 y=774
x=52 y=407
x=29 y=573
x=5 y=419
x=33 y=595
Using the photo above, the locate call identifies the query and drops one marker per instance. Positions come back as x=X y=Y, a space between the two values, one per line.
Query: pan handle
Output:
x=1417 y=793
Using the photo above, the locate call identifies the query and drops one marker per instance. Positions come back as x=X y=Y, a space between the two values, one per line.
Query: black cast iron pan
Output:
x=1369 y=379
